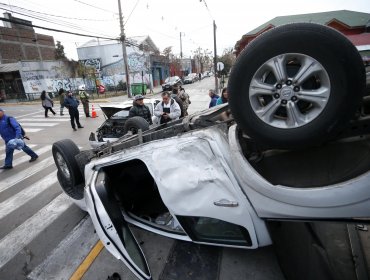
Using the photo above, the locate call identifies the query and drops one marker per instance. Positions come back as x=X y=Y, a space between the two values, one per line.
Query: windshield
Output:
x=121 y=114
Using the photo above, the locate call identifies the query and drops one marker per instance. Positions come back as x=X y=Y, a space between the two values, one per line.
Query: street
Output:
x=43 y=235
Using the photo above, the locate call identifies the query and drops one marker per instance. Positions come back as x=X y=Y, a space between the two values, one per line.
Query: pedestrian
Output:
x=11 y=132
x=213 y=97
x=168 y=109
x=200 y=76
x=224 y=98
x=84 y=97
x=175 y=96
x=140 y=109
x=72 y=103
x=47 y=103
x=185 y=98
x=62 y=96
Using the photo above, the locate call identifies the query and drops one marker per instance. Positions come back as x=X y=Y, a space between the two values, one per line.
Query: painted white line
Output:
x=2 y=148
x=20 y=237
x=21 y=198
x=25 y=173
x=67 y=256
x=25 y=124
x=32 y=130
x=27 y=157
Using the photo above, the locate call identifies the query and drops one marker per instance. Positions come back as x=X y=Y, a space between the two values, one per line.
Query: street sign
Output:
x=220 y=66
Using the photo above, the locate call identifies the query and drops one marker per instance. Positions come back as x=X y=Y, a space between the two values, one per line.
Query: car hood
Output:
x=110 y=109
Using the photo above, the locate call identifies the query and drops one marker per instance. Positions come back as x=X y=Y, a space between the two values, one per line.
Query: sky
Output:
x=164 y=20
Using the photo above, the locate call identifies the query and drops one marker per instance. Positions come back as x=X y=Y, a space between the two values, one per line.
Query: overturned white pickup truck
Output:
x=298 y=149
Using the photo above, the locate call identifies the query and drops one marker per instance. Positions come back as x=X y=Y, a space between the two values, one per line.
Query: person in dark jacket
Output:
x=47 y=103
x=72 y=103
x=214 y=98
x=11 y=132
x=140 y=109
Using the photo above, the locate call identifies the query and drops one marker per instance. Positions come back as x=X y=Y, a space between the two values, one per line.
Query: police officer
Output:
x=84 y=97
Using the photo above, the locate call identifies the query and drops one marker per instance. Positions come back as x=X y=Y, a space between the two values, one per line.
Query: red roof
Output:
x=360 y=39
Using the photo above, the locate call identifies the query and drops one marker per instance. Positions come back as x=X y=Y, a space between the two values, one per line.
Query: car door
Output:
x=199 y=189
x=112 y=229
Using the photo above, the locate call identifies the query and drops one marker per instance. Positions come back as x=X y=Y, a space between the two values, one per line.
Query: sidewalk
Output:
x=93 y=98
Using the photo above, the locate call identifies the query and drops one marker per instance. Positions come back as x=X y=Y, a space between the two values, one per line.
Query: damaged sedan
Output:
x=280 y=155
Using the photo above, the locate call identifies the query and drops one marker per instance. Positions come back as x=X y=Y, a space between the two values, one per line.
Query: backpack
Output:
x=23 y=132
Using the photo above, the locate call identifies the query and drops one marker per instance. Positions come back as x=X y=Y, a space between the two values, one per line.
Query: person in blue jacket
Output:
x=213 y=97
x=72 y=103
x=11 y=132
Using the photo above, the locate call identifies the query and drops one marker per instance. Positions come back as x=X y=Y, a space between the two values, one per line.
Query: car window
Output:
x=211 y=230
x=121 y=114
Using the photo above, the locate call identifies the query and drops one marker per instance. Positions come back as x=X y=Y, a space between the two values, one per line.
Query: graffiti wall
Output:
x=49 y=76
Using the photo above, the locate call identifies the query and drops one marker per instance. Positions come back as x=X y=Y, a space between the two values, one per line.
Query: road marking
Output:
x=24 y=121
x=84 y=266
x=21 y=198
x=25 y=124
x=31 y=130
x=63 y=260
x=28 y=172
x=27 y=157
x=20 y=237
x=2 y=148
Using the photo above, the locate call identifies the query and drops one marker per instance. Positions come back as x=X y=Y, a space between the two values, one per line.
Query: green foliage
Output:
x=59 y=51
x=228 y=59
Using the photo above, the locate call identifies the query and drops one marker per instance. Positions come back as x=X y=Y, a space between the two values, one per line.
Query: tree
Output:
x=204 y=58
x=59 y=51
x=228 y=59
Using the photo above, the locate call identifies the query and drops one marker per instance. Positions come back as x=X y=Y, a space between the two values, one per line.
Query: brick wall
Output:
x=24 y=44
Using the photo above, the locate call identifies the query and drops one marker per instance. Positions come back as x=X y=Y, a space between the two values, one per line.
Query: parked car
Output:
x=191 y=78
x=170 y=82
x=118 y=123
x=204 y=179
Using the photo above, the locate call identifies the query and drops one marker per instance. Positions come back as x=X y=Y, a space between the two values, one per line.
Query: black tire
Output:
x=134 y=124
x=69 y=174
x=340 y=67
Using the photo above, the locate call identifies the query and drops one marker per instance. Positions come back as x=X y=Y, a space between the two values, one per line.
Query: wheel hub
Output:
x=286 y=93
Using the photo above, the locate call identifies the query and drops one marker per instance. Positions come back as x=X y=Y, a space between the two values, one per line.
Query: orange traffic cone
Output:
x=93 y=112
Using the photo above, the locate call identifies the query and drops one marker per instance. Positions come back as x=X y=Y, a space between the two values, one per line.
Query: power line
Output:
x=55 y=30
x=46 y=14
x=137 y=2
x=50 y=20
x=95 y=7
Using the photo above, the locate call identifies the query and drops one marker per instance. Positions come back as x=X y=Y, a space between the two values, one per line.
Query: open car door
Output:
x=111 y=227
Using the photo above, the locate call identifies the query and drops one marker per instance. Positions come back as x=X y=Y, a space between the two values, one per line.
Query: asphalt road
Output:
x=43 y=235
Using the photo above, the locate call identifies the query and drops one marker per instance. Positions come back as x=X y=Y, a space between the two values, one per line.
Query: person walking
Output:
x=62 y=96
x=140 y=109
x=47 y=103
x=84 y=97
x=168 y=109
x=72 y=103
x=185 y=98
x=11 y=132
x=213 y=97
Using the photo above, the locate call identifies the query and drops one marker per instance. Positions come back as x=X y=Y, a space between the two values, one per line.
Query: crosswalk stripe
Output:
x=21 y=198
x=25 y=124
x=28 y=172
x=27 y=157
x=31 y=130
x=2 y=148
x=20 y=237
x=24 y=121
x=70 y=251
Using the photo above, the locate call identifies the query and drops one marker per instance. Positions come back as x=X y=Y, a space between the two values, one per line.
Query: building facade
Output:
x=145 y=64
x=354 y=25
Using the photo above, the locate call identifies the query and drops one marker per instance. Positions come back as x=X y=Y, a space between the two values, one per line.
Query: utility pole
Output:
x=180 y=46
x=215 y=57
x=124 y=53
